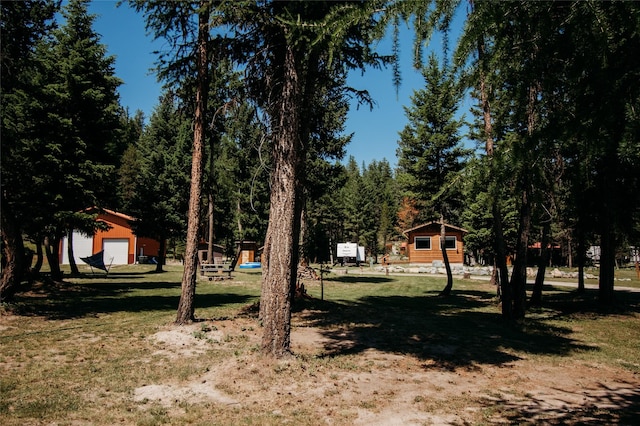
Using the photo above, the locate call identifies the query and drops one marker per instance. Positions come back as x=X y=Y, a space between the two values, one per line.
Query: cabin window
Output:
x=450 y=243
x=423 y=243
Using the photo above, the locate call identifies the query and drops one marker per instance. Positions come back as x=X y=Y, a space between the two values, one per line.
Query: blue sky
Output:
x=375 y=132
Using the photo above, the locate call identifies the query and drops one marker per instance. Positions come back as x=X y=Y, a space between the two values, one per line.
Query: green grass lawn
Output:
x=64 y=346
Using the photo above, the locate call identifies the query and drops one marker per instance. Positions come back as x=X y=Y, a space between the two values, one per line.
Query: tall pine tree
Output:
x=23 y=26
x=430 y=153
x=159 y=197
x=81 y=149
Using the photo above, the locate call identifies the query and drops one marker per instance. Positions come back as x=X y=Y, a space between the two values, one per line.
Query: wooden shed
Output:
x=247 y=251
x=120 y=245
x=423 y=244
x=218 y=253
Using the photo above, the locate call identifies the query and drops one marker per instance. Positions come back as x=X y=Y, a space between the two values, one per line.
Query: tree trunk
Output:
x=210 y=237
x=280 y=257
x=495 y=279
x=580 y=257
x=331 y=252
x=161 y=254
x=39 y=258
x=210 y=205
x=607 y=265
x=443 y=247
x=239 y=222
x=498 y=235
x=536 y=295
x=186 y=307
x=12 y=253
x=72 y=258
x=304 y=255
x=519 y=273
x=52 y=250
x=506 y=295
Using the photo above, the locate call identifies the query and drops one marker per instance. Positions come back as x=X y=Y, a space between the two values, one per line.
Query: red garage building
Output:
x=120 y=245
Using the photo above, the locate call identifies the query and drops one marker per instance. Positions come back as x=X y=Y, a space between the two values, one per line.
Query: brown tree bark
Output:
x=607 y=264
x=495 y=279
x=52 y=251
x=39 y=259
x=608 y=220
x=506 y=294
x=446 y=291
x=499 y=245
x=162 y=249
x=210 y=205
x=580 y=257
x=536 y=294
x=70 y=254
x=186 y=307
x=280 y=258
x=210 y=233
x=13 y=254
x=519 y=273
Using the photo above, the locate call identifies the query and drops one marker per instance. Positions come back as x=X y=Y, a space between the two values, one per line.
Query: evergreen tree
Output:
x=185 y=66
x=430 y=153
x=81 y=149
x=223 y=94
x=381 y=206
x=326 y=214
x=555 y=65
x=241 y=179
x=22 y=26
x=600 y=73
x=69 y=131
x=186 y=307
x=159 y=197
x=292 y=59
x=476 y=44
x=289 y=51
x=353 y=202
x=327 y=144
x=477 y=216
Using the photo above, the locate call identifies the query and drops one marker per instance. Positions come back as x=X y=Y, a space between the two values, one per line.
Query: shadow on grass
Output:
x=605 y=405
x=462 y=330
x=450 y=333
x=466 y=331
x=456 y=331
x=113 y=276
x=63 y=300
x=567 y=303
x=99 y=275
x=360 y=279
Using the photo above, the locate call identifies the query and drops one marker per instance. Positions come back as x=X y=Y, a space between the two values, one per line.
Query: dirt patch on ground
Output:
x=374 y=387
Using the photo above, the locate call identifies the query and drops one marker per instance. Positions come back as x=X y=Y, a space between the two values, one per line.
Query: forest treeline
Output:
x=247 y=141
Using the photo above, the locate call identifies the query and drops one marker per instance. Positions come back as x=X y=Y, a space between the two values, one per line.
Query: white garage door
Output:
x=116 y=248
x=82 y=247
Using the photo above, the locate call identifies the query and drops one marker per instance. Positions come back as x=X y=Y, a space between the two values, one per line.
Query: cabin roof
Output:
x=434 y=223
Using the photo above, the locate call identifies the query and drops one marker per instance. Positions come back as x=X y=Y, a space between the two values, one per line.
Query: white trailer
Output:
x=594 y=254
x=350 y=253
